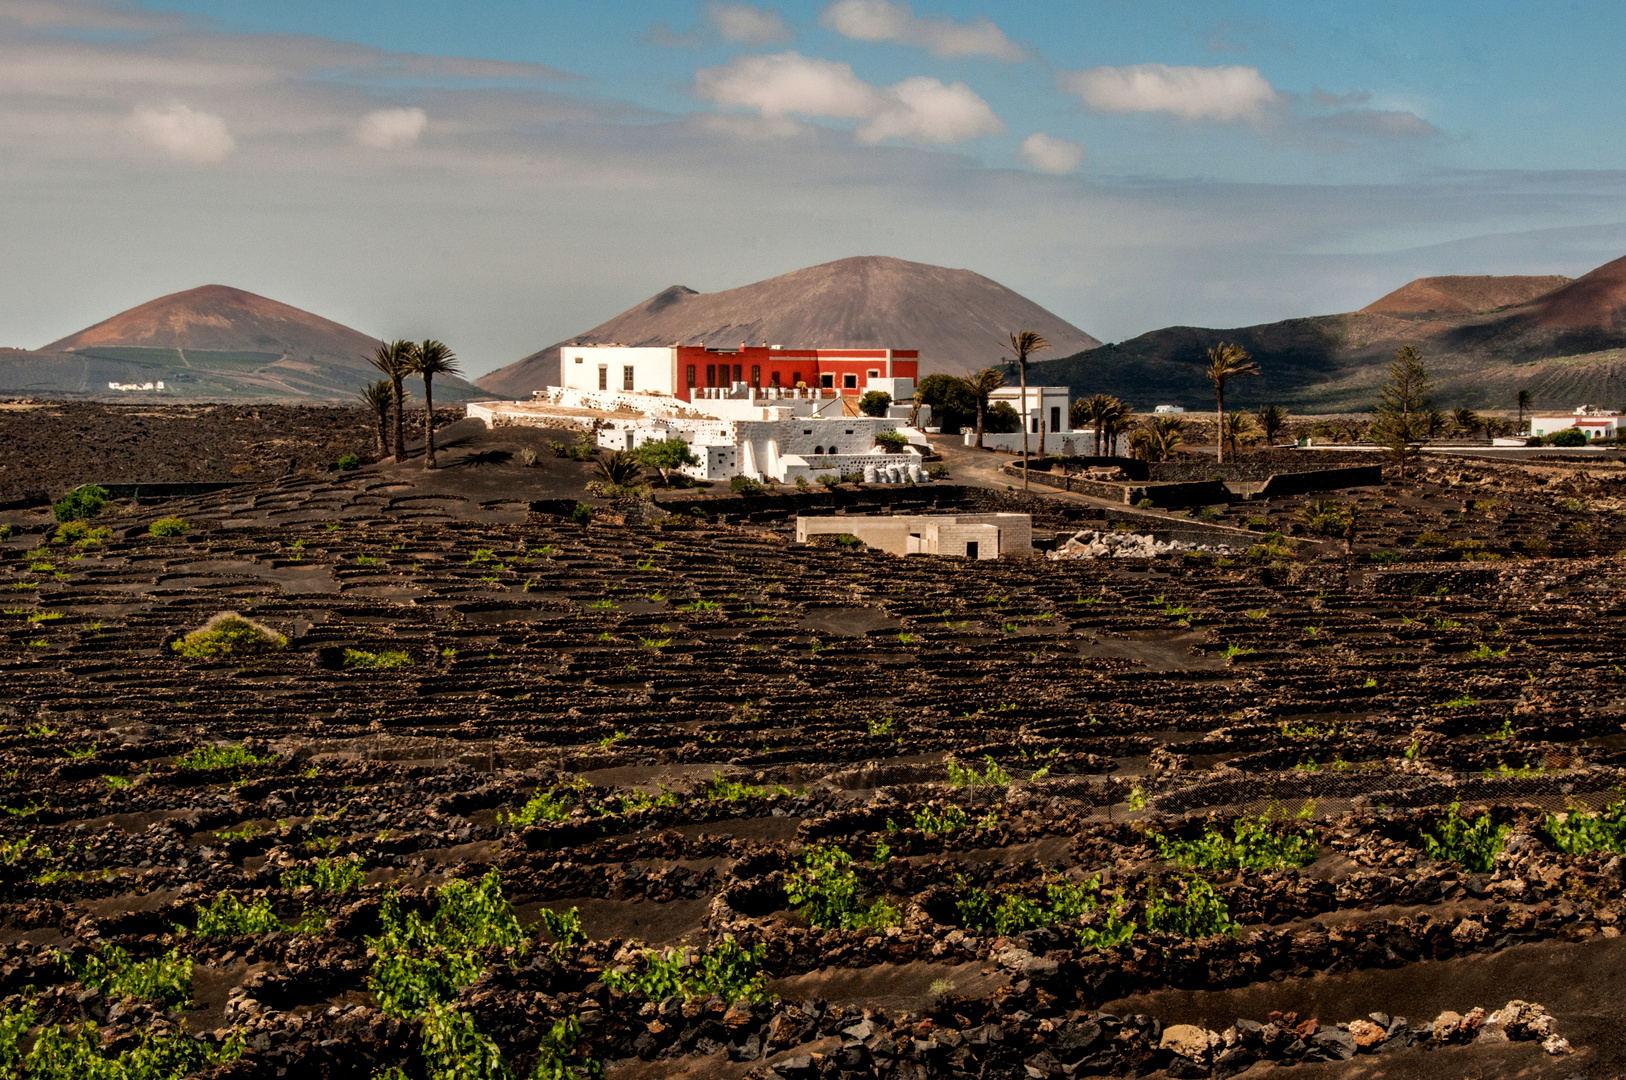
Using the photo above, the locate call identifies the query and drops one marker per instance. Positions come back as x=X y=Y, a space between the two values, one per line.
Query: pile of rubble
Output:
x=1123 y=545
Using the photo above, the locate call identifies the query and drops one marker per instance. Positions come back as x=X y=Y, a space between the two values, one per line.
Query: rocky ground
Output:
x=668 y=794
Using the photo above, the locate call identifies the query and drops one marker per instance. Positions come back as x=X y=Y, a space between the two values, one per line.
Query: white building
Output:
x=1592 y=422
x=1045 y=412
x=970 y=536
x=777 y=446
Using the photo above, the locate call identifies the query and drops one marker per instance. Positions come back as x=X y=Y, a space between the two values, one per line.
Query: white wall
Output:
x=654 y=370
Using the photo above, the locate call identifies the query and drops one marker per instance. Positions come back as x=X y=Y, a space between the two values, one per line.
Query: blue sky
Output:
x=503 y=174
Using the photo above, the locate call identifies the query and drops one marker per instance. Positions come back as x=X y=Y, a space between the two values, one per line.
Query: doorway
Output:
x=971 y=549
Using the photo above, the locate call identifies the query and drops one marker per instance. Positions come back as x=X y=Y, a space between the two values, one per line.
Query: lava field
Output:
x=486 y=792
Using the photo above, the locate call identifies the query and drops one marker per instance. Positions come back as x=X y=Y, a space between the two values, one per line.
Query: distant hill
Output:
x=956 y=318
x=212 y=343
x=1462 y=295
x=1483 y=340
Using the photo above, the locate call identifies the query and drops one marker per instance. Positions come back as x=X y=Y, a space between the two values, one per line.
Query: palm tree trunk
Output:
x=981 y=403
x=383 y=437
x=1219 y=440
x=1098 y=438
x=428 y=422
x=400 y=425
x=1024 y=414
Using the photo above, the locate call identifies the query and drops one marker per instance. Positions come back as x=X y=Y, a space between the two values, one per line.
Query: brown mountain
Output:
x=1483 y=339
x=209 y=343
x=956 y=318
x=1463 y=294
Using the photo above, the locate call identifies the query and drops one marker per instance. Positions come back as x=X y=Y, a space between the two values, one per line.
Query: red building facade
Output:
x=837 y=372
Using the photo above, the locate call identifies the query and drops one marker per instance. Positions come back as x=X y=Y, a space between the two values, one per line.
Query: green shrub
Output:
x=229 y=636
x=426 y=961
x=388 y=658
x=1199 y=913
x=81 y=502
x=581 y=514
x=76 y=1052
x=349 y=461
x=455 y=1049
x=7 y=530
x=1072 y=904
x=1473 y=845
x=166 y=979
x=967 y=776
x=891 y=441
x=1577 y=832
x=227 y=916
x=826 y=891
x=1325 y=516
x=939 y=471
x=874 y=402
x=745 y=485
x=326 y=875
x=728 y=969
x=81 y=534
x=565 y=928
x=543 y=806
x=1252 y=846
x=932 y=821
x=220 y=757
x=1567 y=437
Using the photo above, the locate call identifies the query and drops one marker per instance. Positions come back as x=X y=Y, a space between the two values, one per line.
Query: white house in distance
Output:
x=972 y=536
x=1594 y=423
x=768 y=413
x=779 y=446
x=1045 y=412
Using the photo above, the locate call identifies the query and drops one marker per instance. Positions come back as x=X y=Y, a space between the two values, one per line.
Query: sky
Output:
x=502 y=174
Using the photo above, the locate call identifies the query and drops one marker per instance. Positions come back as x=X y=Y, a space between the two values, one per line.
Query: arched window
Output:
x=818 y=450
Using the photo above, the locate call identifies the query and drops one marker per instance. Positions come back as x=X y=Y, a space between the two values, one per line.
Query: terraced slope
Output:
x=1113 y=818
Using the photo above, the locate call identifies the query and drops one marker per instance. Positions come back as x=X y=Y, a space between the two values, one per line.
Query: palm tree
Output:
x=377 y=397
x=1466 y=421
x=981 y=385
x=394 y=359
x=1226 y=362
x=1526 y=400
x=1023 y=345
x=1097 y=412
x=1272 y=420
x=1116 y=425
x=431 y=358
x=1238 y=428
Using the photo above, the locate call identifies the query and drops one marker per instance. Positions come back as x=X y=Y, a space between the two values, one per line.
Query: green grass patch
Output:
x=386 y=658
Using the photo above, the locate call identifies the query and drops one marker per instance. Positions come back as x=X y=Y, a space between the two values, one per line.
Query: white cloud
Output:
x=882 y=20
x=922 y=109
x=1050 y=154
x=1192 y=93
x=746 y=24
x=789 y=83
x=184 y=133
x=391 y=129
x=919 y=109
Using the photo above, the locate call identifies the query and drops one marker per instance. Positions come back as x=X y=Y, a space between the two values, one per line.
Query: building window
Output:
x=626 y=377
x=818 y=451
x=773 y=380
x=828 y=382
x=874 y=374
x=1055 y=418
x=849 y=382
x=578 y=359
x=711 y=374
x=756 y=374
x=796 y=378
x=807 y=431
x=1035 y=421
x=603 y=377
x=690 y=382
x=736 y=373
